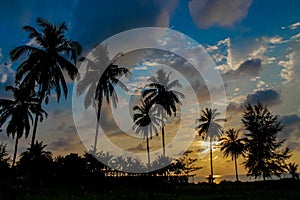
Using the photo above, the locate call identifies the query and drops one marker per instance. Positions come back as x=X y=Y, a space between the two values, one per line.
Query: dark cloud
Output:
x=291 y=125
x=290 y=120
x=94 y=21
x=250 y=67
x=234 y=107
x=208 y=13
x=268 y=97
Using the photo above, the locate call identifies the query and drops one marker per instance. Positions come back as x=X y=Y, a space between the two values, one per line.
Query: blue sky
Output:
x=254 y=43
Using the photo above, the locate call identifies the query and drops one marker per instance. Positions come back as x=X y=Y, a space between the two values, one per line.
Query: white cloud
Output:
x=143 y=67
x=208 y=13
x=273 y=40
x=260 y=85
x=32 y=42
x=294 y=26
x=222 y=54
x=295 y=37
x=269 y=60
x=287 y=71
x=142 y=78
x=151 y=64
x=258 y=52
x=3 y=78
x=212 y=48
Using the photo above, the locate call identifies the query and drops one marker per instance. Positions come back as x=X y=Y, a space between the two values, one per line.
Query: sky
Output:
x=253 y=45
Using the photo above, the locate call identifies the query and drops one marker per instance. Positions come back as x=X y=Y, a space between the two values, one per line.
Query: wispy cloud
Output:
x=295 y=25
x=287 y=71
x=208 y=13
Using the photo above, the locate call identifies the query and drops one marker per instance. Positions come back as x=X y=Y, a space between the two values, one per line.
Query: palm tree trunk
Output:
x=97 y=129
x=236 y=170
x=211 y=162
x=148 y=151
x=15 y=152
x=36 y=119
x=163 y=134
x=163 y=140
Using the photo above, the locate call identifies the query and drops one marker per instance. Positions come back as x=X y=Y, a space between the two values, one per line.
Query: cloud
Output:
x=296 y=37
x=222 y=54
x=65 y=144
x=143 y=67
x=105 y=19
x=290 y=120
x=290 y=131
x=273 y=40
x=262 y=49
x=226 y=13
x=269 y=97
x=287 y=72
x=6 y=78
x=294 y=26
x=234 y=107
x=250 y=67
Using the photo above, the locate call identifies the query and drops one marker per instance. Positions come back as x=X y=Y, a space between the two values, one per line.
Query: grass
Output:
x=282 y=189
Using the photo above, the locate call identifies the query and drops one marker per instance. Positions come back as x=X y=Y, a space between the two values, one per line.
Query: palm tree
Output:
x=233 y=146
x=208 y=127
x=292 y=169
x=35 y=161
x=18 y=113
x=99 y=81
x=50 y=55
x=160 y=91
x=146 y=122
x=37 y=154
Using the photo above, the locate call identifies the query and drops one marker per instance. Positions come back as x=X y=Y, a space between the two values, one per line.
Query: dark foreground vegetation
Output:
x=129 y=189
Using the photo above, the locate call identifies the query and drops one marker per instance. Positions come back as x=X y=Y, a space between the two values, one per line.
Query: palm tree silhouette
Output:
x=38 y=152
x=292 y=169
x=99 y=82
x=35 y=161
x=146 y=122
x=233 y=146
x=18 y=113
x=159 y=91
x=208 y=127
x=46 y=61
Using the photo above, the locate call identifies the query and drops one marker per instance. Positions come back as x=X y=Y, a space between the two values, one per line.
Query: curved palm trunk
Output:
x=15 y=152
x=36 y=119
x=211 y=162
x=148 y=151
x=97 y=130
x=236 y=170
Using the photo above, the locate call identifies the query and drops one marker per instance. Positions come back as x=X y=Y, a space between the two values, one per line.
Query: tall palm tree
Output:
x=48 y=57
x=18 y=113
x=233 y=146
x=99 y=82
x=160 y=91
x=146 y=122
x=210 y=128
